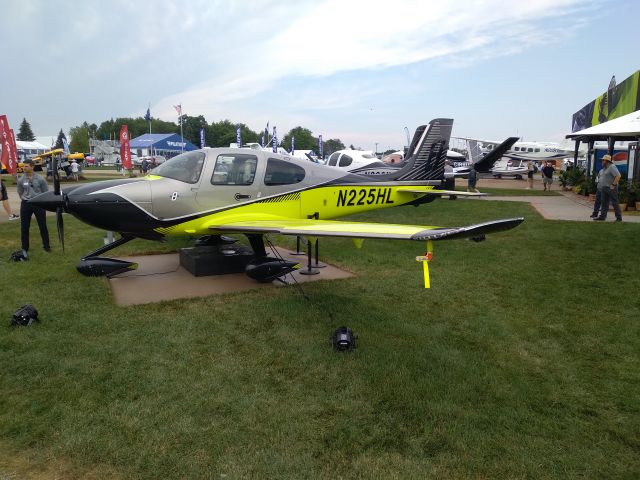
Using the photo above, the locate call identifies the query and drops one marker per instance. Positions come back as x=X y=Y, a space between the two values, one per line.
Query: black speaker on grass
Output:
x=25 y=316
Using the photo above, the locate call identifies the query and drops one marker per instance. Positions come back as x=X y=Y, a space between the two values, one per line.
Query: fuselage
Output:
x=193 y=192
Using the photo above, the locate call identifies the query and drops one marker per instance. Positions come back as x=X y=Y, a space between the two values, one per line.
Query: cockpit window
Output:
x=345 y=160
x=333 y=159
x=234 y=169
x=280 y=172
x=185 y=167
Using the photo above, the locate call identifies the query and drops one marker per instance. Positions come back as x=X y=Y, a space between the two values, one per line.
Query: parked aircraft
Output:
x=218 y=191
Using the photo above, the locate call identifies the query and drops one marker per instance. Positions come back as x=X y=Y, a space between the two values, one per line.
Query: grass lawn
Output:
x=521 y=361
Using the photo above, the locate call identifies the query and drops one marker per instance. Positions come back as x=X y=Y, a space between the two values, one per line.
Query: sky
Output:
x=359 y=71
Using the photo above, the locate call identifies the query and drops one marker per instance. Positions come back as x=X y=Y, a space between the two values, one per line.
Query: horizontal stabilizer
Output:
x=486 y=162
x=439 y=193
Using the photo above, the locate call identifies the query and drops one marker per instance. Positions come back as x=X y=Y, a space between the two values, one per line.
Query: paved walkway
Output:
x=566 y=206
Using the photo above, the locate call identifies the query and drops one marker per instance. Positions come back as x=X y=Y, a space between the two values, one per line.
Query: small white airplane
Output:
x=534 y=151
x=365 y=162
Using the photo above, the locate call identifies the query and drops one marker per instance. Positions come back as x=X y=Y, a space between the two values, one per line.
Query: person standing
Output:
x=610 y=177
x=547 y=176
x=30 y=185
x=4 y=198
x=74 y=170
x=530 y=171
x=144 y=166
x=472 y=180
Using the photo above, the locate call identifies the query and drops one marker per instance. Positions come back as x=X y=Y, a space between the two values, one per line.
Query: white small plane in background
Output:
x=365 y=162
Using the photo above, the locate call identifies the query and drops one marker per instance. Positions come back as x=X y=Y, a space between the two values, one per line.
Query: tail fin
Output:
x=483 y=164
x=427 y=153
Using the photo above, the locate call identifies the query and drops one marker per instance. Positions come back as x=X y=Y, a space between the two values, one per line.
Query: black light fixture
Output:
x=343 y=339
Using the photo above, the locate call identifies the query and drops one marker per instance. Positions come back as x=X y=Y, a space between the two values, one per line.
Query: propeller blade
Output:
x=56 y=175
x=60 y=225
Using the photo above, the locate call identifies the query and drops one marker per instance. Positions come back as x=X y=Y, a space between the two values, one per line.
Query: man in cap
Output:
x=608 y=180
x=30 y=185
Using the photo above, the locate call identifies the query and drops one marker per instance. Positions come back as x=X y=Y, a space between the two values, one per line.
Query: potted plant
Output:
x=623 y=193
x=633 y=188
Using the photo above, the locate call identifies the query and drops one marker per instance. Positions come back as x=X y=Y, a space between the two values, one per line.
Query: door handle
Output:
x=240 y=196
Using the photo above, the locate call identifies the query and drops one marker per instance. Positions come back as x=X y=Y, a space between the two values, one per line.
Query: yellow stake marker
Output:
x=425 y=259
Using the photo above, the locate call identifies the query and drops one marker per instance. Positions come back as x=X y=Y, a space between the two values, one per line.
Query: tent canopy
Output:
x=162 y=141
x=626 y=127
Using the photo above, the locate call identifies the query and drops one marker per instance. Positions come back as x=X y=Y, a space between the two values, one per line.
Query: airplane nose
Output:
x=48 y=200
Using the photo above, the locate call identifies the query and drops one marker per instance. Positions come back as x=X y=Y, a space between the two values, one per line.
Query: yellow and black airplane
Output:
x=216 y=191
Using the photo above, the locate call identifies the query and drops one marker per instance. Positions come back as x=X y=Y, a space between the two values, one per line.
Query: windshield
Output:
x=186 y=167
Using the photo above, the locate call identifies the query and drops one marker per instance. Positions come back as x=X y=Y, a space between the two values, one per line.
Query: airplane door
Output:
x=230 y=179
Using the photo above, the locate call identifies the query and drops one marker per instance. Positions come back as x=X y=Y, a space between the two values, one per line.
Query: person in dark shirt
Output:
x=547 y=176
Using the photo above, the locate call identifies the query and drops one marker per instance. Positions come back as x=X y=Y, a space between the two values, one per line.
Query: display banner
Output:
x=8 y=159
x=125 y=151
x=14 y=147
x=293 y=145
x=202 y=141
x=617 y=101
x=239 y=137
x=320 y=147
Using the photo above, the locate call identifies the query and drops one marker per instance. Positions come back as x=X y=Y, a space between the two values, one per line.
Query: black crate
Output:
x=216 y=259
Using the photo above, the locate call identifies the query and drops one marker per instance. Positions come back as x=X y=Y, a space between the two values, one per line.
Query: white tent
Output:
x=625 y=127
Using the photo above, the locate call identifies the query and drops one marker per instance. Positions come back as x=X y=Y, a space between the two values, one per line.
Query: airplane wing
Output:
x=331 y=228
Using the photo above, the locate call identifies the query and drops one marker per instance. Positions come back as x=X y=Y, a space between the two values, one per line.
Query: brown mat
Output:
x=160 y=277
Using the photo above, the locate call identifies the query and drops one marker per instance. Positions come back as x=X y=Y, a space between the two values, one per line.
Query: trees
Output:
x=59 y=143
x=304 y=139
x=333 y=145
x=80 y=137
x=25 y=134
x=217 y=134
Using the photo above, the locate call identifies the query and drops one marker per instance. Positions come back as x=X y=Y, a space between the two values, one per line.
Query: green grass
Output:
x=521 y=361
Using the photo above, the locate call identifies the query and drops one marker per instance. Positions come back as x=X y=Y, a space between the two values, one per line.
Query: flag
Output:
x=202 y=142
x=293 y=145
x=266 y=134
x=178 y=109
x=262 y=140
x=239 y=137
x=125 y=151
x=8 y=159
x=147 y=116
x=275 y=141
x=65 y=146
x=320 y=147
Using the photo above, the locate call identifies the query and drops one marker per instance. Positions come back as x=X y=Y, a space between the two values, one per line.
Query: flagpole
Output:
x=181 y=134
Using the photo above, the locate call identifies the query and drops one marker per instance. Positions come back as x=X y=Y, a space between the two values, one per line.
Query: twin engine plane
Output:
x=218 y=191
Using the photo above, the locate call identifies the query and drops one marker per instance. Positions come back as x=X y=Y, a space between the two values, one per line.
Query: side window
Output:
x=280 y=172
x=529 y=149
x=517 y=149
x=345 y=161
x=234 y=169
x=537 y=150
x=333 y=159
